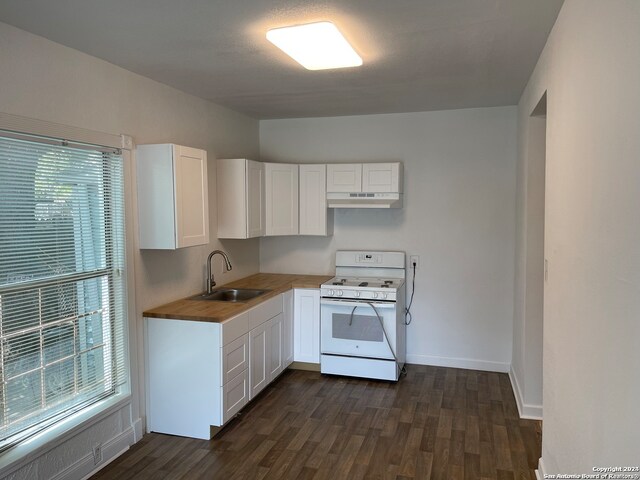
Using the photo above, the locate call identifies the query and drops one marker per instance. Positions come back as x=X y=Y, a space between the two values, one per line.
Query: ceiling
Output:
x=419 y=55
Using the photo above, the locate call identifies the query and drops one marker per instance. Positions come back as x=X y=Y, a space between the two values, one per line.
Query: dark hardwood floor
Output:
x=435 y=423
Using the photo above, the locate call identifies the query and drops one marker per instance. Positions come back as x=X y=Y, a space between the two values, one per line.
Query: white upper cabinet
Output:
x=364 y=177
x=173 y=196
x=382 y=177
x=281 y=190
x=315 y=218
x=344 y=177
x=241 y=198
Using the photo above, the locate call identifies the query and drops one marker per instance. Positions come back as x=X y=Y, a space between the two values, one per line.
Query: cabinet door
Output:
x=281 y=189
x=314 y=218
x=231 y=191
x=258 y=354
x=191 y=196
x=287 y=328
x=306 y=325
x=255 y=199
x=275 y=338
x=156 y=206
x=381 y=177
x=344 y=177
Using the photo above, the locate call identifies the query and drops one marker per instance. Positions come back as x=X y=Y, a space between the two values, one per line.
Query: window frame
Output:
x=54 y=435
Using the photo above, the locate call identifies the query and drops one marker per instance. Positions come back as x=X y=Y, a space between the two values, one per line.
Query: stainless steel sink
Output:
x=230 y=295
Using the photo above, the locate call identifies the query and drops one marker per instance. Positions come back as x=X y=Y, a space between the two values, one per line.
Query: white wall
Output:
x=459 y=217
x=590 y=69
x=46 y=81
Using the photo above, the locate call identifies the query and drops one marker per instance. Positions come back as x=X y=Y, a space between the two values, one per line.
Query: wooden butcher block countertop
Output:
x=212 y=311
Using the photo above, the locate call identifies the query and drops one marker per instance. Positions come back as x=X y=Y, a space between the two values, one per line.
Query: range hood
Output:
x=364 y=200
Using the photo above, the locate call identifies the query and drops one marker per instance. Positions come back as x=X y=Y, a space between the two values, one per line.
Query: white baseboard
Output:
x=527 y=411
x=85 y=467
x=466 y=363
x=137 y=430
x=541 y=472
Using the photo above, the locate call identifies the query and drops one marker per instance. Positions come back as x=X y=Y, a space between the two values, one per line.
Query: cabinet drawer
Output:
x=235 y=327
x=234 y=396
x=234 y=358
x=265 y=311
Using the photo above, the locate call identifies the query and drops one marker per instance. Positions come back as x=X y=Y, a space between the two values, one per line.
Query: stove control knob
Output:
x=331 y=293
x=383 y=295
x=339 y=293
x=356 y=294
x=374 y=295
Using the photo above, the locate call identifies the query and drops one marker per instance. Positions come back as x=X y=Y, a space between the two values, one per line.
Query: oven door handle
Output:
x=347 y=303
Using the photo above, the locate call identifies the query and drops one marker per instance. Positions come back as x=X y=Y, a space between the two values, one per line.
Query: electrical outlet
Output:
x=414 y=259
x=97 y=454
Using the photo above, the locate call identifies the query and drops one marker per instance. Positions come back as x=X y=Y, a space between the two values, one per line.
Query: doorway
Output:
x=536 y=264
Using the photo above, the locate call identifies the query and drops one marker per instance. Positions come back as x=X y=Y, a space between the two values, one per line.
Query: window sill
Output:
x=32 y=448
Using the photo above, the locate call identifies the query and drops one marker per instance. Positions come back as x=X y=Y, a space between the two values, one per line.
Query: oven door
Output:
x=353 y=328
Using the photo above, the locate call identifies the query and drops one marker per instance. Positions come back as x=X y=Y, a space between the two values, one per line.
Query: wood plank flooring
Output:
x=435 y=423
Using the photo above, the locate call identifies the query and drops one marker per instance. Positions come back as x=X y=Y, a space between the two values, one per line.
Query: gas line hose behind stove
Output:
x=384 y=331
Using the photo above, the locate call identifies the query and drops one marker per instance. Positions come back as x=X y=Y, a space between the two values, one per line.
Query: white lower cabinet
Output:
x=184 y=373
x=201 y=374
x=306 y=325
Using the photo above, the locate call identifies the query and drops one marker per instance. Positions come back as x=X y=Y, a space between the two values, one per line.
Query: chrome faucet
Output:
x=227 y=264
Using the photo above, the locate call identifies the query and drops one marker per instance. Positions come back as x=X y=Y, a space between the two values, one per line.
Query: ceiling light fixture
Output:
x=316 y=46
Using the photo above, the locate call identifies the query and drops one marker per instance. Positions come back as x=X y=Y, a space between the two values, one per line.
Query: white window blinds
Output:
x=62 y=280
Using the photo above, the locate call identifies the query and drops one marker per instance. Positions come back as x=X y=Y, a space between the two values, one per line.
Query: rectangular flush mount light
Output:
x=316 y=46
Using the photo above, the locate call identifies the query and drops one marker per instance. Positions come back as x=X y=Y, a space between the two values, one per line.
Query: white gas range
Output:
x=363 y=331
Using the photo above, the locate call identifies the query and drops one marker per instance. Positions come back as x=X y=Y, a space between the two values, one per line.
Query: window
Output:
x=62 y=280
